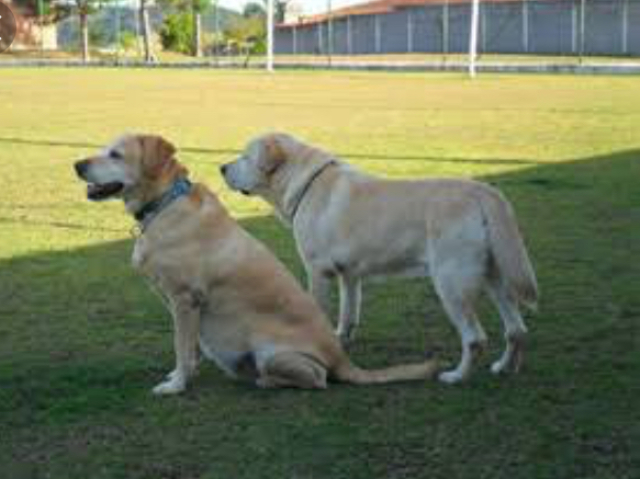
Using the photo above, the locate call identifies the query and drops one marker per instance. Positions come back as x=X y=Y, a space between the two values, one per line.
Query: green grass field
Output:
x=82 y=339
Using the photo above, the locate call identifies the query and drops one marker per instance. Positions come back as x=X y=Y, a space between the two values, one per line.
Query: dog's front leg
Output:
x=186 y=318
x=350 y=297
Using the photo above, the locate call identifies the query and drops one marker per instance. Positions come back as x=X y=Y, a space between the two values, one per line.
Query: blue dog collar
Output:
x=181 y=187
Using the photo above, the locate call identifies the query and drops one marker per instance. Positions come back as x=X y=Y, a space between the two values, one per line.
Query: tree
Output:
x=254 y=10
x=248 y=33
x=196 y=8
x=280 y=10
x=146 y=31
x=82 y=8
x=177 y=32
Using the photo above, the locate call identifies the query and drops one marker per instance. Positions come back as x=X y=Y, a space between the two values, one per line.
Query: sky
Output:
x=309 y=6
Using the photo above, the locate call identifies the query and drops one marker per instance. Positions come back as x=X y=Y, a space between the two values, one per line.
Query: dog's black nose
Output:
x=223 y=169
x=81 y=167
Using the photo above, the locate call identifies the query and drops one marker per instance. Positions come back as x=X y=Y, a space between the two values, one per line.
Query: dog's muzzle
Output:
x=81 y=168
x=95 y=191
x=224 y=170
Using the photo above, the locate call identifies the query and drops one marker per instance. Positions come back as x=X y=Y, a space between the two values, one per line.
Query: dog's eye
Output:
x=116 y=155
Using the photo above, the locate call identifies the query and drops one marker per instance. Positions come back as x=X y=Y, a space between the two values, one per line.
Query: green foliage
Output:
x=254 y=10
x=37 y=7
x=199 y=6
x=56 y=11
x=280 y=11
x=89 y=6
x=128 y=40
x=248 y=33
x=100 y=32
x=176 y=33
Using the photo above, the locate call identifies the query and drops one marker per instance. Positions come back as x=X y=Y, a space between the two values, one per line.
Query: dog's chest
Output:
x=140 y=256
x=142 y=260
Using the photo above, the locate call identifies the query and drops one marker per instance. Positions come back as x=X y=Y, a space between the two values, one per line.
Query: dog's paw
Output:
x=175 y=385
x=451 y=377
x=506 y=365
x=345 y=337
x=510 y=361
x=499 y=367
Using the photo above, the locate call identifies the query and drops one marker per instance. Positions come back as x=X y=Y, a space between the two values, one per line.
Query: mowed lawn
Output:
x=83 y=340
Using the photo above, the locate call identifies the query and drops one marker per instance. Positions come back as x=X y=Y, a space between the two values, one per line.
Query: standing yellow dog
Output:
x=352 y=225
x=225 y=290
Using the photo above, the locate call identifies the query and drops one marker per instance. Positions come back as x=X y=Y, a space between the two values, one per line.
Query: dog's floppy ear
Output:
x=274 y=155
x=165 y=149
x=158 y=157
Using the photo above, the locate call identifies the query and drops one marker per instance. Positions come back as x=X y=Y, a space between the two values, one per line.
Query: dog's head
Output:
x=253 y=171
x=272 y=164
x=135 y=168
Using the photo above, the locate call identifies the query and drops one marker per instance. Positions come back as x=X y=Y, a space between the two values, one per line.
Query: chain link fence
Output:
x=382 y=31
x=415 y=30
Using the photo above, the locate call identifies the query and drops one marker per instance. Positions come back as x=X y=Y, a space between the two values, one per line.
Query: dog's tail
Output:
x=350 y=373
x=508 y=249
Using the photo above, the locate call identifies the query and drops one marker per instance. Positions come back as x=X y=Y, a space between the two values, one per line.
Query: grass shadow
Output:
x=82 y=340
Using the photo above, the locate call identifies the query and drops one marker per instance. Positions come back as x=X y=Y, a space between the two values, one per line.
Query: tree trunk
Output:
x=84 y=36
x=146 y=31
x=197 y=34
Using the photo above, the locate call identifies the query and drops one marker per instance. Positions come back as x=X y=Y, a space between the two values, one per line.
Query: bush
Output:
x=248 y=33
x=100 y=33
x=176 y=33
x=128 y=40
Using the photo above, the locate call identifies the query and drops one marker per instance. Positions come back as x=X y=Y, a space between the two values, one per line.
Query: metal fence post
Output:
x=329 y=33
x=41 y=15
x=483 y=27
x=216 y=32
x=349 y=39
x=525 y=26
x=377 y=33
x=625 y=27
x=294 y=32
x=582 y=23
x=138 y=40
x=117 y=12
x=574 y=27
x=409 y=31
x=445 y=28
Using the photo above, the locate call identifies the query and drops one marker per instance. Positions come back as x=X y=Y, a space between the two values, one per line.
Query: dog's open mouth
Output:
x=98 y=192
x=245 y=192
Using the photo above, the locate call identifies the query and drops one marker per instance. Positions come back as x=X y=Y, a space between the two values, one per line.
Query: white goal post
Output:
x=270 y=27
x=473 y=38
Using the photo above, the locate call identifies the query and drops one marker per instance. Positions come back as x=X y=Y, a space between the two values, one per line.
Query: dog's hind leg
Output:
x=458 y=295
x=350 y=298
x=514 y=329
x=292 y=370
